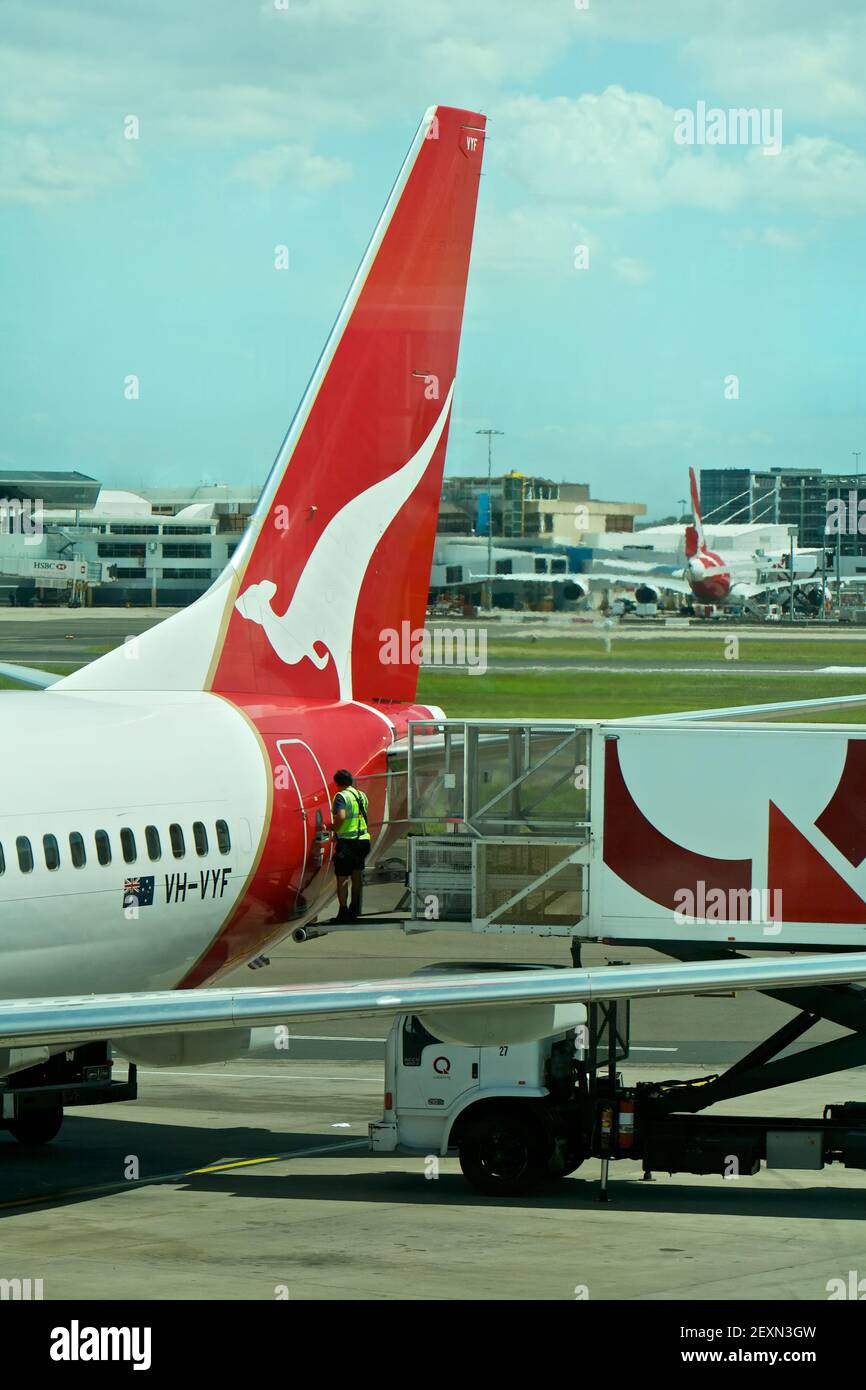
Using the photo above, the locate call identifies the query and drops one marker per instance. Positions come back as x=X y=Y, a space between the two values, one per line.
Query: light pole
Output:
x=152 y=549
x=490 y=434
x=855 y=454
x=838 y=570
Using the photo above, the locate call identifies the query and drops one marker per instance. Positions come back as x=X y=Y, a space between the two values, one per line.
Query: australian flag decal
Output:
x=138 y=892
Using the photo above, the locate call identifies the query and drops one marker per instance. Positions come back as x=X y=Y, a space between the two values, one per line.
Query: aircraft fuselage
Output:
x=152 y=841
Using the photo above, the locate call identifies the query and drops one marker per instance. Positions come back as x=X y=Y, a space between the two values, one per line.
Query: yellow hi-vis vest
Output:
x=354 y=827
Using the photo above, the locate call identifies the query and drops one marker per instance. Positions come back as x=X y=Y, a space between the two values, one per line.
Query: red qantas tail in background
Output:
x=338 y=552
x=695 y=533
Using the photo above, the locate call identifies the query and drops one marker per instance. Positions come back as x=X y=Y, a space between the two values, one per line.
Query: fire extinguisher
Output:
x=626 y=1124
x=606 y=1128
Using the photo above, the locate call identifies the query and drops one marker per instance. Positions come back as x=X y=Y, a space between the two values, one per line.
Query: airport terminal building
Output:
x=161 y=546
x=520 y=524
x=165 y=546
x=787 y=497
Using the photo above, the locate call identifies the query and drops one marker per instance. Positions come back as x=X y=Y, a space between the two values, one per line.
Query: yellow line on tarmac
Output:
x=105 y=1189
x=238 y=1163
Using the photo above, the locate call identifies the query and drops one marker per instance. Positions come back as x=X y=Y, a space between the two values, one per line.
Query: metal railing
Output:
x=501 y=777
x=505 y=806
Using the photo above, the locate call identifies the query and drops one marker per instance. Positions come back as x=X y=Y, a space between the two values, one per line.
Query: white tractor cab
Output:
x=519 y=1113
x=495 y=1107
x=516 y=1114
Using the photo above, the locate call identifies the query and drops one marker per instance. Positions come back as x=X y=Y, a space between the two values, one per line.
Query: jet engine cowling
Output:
x=186 y=1049
x=479 y=1027
x=645 y=593
x=574 y=591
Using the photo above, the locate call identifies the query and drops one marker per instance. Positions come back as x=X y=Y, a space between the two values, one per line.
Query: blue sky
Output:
x=265 y=122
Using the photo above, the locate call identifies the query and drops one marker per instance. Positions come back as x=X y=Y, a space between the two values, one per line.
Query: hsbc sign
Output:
x=60 y=569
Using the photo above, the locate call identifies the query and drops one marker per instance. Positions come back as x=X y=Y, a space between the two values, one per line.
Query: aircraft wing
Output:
x=92 y=1018
x=28 y=675
x=662 y=582
x=529 y=578
x=776 y=709
x=645 y=566
x=772 y=586
x=596 y=579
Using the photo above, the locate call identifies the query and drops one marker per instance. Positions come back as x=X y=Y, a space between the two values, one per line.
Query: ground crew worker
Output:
x=353 y=844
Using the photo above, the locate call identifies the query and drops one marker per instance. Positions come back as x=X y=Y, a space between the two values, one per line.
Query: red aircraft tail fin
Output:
x=698 y=527
x=334 y=574
x=331 y=577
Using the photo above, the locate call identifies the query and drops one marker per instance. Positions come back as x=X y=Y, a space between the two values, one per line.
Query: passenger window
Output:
x=25 y=854
x=77 y=850
x=127 y=845
x=51 y=852
x=223 y=837
x=103 y=847
x=199 y=834
x=151 y=837
x=178 y=848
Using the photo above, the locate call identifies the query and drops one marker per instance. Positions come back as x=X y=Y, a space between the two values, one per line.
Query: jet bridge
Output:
x=653 y=831
x=703 y=838
x=503 y=810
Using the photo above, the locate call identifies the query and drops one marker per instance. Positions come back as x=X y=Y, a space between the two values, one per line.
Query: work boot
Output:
x=343 y=915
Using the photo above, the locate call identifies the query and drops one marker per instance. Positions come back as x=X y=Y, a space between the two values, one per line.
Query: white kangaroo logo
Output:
x=321 y=611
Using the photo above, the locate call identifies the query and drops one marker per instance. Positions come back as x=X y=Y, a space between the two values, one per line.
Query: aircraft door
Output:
x=306 y=780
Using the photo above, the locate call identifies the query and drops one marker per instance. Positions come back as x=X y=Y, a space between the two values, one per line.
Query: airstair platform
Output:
x=501 y=836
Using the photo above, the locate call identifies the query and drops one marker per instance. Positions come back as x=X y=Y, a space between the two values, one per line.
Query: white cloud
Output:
x=802 y=56
x=241 y=76
x=543 y=241
x=632 y=270
x=615 y=152
x=820 y=174
x=525 y=239
x=231 y=113
x=38 y=171
x=293 y=164
x=780 y=239
x=236 y=77
x=40 y=85
x=817 y=74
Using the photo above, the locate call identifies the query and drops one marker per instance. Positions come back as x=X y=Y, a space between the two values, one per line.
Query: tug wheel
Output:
x=37 y=1126
x=502 y=1153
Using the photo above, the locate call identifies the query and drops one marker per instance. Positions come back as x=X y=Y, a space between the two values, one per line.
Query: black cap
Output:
x=343 y=778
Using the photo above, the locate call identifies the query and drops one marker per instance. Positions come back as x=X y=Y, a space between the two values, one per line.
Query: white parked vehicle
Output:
x=518 y=1115
x=500 y=1109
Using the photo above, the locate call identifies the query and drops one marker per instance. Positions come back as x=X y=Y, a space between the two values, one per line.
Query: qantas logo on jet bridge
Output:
x=321 y=611
x=804 y=883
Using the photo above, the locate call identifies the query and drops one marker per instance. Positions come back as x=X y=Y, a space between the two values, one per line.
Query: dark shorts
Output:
x=349 y=856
